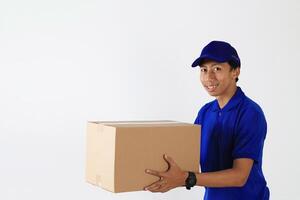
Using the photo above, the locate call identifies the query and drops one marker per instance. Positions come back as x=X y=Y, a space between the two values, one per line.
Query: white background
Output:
x=66 y=62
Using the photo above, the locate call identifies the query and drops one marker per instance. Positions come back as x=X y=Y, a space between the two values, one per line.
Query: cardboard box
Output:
x=119 y=152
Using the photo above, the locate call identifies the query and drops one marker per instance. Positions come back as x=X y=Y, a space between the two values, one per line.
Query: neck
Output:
x=223 y=99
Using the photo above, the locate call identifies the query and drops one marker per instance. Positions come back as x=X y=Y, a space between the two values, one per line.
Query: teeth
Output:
x=211 y=86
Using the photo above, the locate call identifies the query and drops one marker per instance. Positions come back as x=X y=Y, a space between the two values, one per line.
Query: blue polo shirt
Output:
x=238 y=130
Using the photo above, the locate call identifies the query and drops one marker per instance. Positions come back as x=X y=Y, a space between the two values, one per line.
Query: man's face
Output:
x=218 y=78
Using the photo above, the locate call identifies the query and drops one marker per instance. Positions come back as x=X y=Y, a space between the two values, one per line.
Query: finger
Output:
x=153 y=172
x=166 y=189
x=153 y=187
x=156 y=185
x=158 y=189
x=154 y=190
x=169 y=160
x=162 y=189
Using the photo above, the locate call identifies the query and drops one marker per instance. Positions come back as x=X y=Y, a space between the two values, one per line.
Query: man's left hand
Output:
x=172 y=178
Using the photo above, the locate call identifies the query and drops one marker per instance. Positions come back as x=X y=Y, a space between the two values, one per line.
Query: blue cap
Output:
x=218 y=51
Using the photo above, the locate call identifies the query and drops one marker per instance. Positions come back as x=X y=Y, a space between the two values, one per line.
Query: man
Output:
x=233 y=130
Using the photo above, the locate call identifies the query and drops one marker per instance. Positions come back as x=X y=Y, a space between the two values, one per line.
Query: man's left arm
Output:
x=175 y=177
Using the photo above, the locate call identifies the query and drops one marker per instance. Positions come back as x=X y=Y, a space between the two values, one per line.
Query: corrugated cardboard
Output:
x=119 y=152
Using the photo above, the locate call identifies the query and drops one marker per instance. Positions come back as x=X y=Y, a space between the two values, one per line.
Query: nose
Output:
x=209 y=75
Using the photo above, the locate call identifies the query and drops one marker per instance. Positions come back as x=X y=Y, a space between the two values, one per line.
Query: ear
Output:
x=235 y=73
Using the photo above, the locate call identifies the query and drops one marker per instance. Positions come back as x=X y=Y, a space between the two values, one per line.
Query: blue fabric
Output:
x=219 y=51
x=238 y=130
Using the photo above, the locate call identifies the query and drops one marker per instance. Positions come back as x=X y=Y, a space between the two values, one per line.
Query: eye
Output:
x=203 y=69
x=216 y=69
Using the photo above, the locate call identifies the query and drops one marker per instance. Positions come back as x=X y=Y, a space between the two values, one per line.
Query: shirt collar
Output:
x=235 y=99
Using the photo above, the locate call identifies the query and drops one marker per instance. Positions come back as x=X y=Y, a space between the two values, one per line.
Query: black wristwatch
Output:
x=190 y=181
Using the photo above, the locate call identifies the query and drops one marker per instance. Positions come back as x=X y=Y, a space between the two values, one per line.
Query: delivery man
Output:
x=233 y=130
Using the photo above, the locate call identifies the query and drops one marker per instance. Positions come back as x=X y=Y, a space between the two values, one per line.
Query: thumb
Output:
x=170 y=161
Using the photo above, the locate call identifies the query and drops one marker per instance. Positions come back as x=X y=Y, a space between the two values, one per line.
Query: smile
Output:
x=211 y=87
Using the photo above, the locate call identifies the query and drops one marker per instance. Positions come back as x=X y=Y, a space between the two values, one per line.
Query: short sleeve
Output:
x=199 y=117
x=250 y=135
x=201 y=113
x=197 y=120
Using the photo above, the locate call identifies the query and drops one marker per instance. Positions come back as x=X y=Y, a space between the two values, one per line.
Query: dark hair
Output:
x=233 y=66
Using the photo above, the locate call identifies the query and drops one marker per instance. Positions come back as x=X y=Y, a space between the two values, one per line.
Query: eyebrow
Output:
x=210 y=65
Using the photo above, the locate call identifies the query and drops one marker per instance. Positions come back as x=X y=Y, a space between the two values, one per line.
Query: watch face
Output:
x=192 y=181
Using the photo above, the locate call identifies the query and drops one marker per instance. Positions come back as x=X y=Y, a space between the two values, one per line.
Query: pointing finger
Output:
x=153 y=172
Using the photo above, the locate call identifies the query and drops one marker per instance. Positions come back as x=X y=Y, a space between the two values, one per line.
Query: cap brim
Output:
x=199 y=60
x=196 y=62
